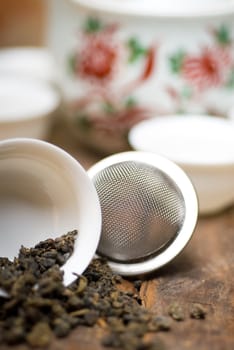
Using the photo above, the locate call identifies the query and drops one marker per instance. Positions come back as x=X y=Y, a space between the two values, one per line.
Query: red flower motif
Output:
x=98 y=57
x=208 y=69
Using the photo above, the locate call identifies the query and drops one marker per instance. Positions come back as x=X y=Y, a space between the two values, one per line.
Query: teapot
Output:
x=122 y=62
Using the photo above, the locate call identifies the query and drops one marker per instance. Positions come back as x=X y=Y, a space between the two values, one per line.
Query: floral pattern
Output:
x=98 y=54
x=209 y=69
x=212 y=68
x=97 y=62
x=111 y=105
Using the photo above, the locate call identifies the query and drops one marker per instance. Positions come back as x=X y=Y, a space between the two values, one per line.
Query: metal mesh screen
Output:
x=142 y=209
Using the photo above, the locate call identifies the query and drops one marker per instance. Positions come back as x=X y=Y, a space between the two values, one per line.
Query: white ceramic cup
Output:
x=27 y=107
x=44 y=193
x=202 y=145
x=32 y=62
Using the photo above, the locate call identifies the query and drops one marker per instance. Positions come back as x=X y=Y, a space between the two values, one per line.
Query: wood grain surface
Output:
x=203 y=273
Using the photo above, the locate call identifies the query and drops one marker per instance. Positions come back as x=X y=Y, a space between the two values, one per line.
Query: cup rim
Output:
x=140 y=131
x=131 y=8
x=30 y=61
x=85 y=198
x=24 y=86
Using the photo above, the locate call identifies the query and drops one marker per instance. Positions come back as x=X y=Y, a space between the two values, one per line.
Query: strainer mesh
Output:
x=142 y=210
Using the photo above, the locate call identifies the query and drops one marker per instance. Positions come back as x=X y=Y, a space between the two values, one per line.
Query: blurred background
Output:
x=30 y=97
x=23 y=22
x=101 y=69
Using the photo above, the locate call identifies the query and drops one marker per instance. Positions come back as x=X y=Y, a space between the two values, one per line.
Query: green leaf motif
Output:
x=230 y=82
x=72 y=60
x=137 y=51
x=176 y=61
x=93 y=25
x=223 y=35
x=130 y=102
x=83 y=122
x=108 y=108
x=186 y=92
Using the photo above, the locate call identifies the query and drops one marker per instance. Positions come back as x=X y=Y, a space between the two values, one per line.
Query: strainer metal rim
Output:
x=188 y=192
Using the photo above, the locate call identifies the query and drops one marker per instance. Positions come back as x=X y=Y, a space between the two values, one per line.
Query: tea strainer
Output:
x=149 y=210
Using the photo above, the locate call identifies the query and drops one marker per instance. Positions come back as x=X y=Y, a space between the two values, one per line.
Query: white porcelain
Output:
x=161 y=8
x=44 y=193
x=34 y=62
x=231 y=113
x=26 y=107
x=126 y=61
x=202 y=145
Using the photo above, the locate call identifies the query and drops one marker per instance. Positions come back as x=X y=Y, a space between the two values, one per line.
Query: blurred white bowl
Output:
x=26 y=107
x=166 y=8
x=35 y=62
x=202 y=145
x=44 y=193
